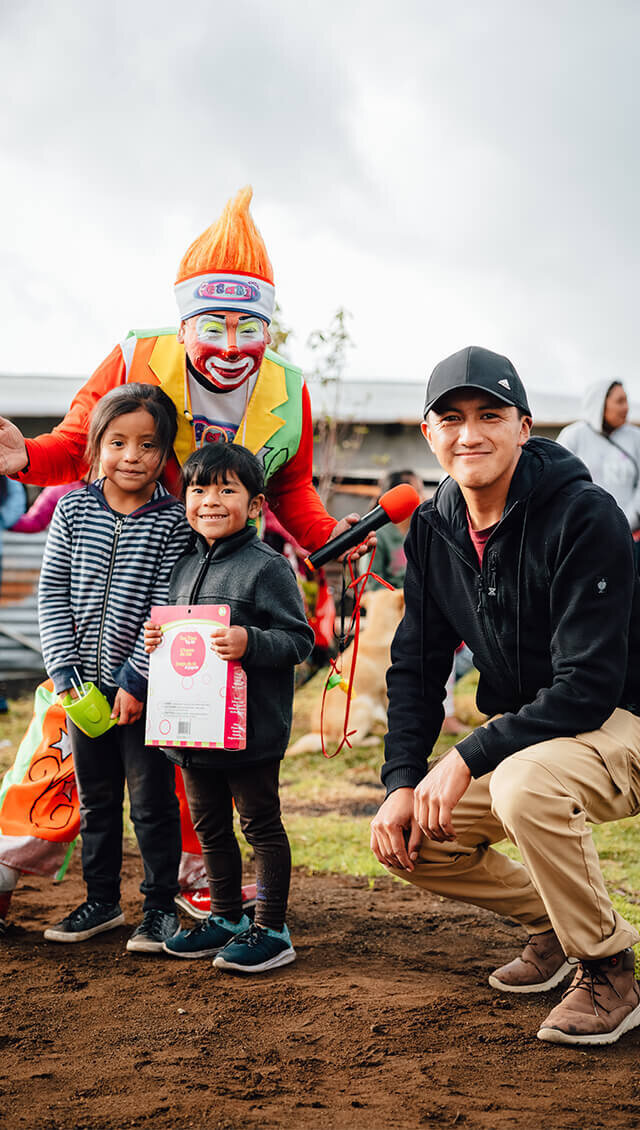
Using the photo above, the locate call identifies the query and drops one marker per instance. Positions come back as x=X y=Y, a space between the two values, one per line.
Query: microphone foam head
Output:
x=399 y=502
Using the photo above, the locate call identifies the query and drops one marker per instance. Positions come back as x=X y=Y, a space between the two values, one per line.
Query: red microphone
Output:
x=394 y=506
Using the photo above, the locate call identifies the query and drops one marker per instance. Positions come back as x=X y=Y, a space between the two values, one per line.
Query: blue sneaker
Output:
x=256 y=950
x=206 y=938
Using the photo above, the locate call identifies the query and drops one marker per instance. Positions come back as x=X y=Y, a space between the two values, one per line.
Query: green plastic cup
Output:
x=91 y=713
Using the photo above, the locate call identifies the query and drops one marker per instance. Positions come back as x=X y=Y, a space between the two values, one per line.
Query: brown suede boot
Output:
x=541 y=966
x=601 y=1003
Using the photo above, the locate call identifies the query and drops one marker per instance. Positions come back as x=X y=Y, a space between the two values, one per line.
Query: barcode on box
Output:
x=184 y=729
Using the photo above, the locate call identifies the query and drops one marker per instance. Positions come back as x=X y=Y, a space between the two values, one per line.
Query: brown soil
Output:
x=386 y=1020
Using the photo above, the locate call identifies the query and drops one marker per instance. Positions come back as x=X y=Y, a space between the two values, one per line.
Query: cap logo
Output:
x=505 y=384
x=236 y=290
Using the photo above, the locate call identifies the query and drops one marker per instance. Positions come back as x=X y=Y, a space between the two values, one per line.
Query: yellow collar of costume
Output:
x=259 y=422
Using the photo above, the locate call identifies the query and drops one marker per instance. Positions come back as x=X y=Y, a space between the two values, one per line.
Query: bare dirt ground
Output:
x=386 y=1020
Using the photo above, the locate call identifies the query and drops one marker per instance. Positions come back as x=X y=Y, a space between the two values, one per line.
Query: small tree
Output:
x=279 y=333
x=330 y=348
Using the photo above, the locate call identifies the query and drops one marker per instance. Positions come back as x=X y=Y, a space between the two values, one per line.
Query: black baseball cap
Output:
x=474 y=367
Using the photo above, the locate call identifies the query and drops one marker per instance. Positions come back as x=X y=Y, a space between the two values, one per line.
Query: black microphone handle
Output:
x=353 y=536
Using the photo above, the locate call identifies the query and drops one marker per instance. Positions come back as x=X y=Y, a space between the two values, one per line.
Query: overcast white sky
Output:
x=452 y=174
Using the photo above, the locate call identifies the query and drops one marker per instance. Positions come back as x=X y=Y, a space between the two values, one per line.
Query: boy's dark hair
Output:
x=213 y=461
x=129 y=398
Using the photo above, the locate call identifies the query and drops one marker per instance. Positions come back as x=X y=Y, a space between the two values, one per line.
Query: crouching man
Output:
x=524 y=558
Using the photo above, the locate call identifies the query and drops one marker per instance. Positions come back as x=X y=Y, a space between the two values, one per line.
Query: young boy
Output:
x=228 y=564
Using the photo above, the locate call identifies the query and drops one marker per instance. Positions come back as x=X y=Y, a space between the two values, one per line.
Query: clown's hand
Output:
x=13 y=452
x=365 y=546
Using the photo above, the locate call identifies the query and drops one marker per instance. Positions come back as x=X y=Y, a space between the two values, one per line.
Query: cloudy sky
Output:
x=451 y=174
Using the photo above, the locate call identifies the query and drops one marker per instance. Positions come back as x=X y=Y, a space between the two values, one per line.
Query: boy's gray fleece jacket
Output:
x=260 y=588
x=101 y=573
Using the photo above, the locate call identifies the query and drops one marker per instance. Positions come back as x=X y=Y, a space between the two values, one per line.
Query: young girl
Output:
x=109 y=554
x=269 y=633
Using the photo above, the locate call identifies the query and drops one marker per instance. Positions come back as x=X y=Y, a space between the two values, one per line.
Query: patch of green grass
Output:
x=12 y=729
x=328 y=804
x=333 y=844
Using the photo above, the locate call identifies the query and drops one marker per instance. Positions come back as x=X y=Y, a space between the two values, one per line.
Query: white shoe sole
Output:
x=53 y=935
x=192 y=911
x=561 y=974
x=191 y=956
x=144 y=945
x=284 y=958
x=556 y=1036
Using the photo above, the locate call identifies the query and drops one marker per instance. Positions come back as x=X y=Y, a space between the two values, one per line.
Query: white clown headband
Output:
x=245 y=294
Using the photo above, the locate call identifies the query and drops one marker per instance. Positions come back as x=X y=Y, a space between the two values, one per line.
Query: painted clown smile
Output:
x=231 y=373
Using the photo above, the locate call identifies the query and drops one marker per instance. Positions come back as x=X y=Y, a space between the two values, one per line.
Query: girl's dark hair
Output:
x=214 y=461
x=614 y=384
x=129 y=398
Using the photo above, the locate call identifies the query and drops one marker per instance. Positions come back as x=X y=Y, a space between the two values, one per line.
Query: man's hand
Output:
x=126 y=708
x=389 y=828
x=367 y=545
x=229 y=643
x=13 y=452
x=152 y=636
x=437 y=795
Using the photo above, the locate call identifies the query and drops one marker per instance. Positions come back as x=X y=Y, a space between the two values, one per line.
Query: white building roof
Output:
x=375 y=401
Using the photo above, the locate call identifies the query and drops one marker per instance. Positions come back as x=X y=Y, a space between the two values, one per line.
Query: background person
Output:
x=12 y=504
x=520 y=554
x=608 y=445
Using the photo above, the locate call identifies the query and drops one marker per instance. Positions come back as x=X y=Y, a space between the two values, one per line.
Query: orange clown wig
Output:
x=227 y=267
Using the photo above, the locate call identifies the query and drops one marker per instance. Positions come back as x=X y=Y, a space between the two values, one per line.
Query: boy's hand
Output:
x=126 y=708
x=152 y=636
x=229 y=643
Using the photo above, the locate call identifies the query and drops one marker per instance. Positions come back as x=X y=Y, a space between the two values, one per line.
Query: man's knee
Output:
x=521 y=781
x=514 y=786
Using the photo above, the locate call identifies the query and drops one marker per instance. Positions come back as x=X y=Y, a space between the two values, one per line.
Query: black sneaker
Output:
x=256 y=950
x=156 y=928
x=89 y=918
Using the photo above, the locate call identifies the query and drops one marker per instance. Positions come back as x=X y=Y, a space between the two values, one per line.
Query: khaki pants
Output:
x=543 y=799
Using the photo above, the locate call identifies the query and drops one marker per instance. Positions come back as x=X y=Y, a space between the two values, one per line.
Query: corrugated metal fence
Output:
x=19 y=637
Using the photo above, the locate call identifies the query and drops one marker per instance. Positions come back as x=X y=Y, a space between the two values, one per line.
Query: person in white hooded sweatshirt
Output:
x=608 y=446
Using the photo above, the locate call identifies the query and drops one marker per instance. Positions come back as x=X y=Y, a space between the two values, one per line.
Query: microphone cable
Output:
x=335 y=677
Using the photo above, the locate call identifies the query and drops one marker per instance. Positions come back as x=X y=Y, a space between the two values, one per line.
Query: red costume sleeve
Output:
x=292 y=495
x=59 y=457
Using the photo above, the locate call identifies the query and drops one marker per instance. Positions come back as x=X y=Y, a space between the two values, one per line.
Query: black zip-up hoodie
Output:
x=552 y=617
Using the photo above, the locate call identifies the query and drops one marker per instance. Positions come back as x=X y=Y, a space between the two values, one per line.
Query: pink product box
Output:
x=195 y=698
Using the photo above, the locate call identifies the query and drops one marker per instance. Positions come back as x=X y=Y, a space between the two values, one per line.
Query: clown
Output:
x=226 y=385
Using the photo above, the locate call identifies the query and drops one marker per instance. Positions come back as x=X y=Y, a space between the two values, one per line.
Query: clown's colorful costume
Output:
x=225 y=386
x=276 y=426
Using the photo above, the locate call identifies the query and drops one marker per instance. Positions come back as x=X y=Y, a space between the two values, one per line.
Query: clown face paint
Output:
x=226 y=348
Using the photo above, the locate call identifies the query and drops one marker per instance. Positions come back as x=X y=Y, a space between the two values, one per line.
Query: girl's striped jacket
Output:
x=101 y=573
